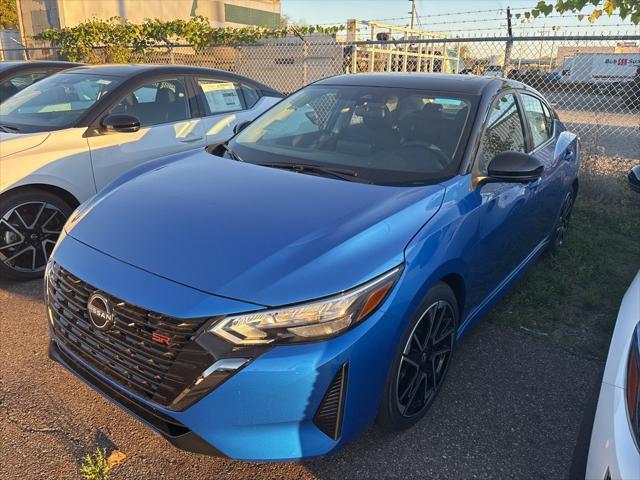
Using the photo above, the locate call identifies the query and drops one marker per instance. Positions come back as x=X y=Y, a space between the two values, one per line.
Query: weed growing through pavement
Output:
x=96 y=466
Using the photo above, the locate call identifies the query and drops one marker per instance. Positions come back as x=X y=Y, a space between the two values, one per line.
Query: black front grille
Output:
x=127 y=353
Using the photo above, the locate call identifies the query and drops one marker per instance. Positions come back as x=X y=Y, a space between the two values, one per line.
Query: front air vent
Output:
x=328 y=418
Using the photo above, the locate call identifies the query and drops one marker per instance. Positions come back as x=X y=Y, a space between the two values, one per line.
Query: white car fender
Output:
x=628 y=317
x=12 y=143
x=61 y=160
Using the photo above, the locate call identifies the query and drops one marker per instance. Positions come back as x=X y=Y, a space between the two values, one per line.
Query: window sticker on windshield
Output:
x=103 y=82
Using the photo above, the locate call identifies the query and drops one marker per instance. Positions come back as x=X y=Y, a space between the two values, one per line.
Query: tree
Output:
x=624 y=8
x=8 y=14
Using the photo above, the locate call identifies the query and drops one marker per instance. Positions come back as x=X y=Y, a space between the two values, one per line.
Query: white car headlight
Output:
x=314 y=320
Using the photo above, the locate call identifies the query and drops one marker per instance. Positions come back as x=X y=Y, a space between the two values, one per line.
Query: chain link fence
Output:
x=593 y=82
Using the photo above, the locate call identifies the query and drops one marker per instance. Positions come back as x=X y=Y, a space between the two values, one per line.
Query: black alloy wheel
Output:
x=30 y=224
x=562 y=225
x=422 y=361
x=425 y=358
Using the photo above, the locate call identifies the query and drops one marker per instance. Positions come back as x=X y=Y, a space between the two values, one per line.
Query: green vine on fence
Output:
x=119 y=40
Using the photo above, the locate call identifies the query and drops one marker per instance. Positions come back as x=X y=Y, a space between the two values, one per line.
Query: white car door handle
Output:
x=191 y=139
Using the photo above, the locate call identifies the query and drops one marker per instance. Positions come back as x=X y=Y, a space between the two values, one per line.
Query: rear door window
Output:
x=251 y=95
x=538 y=118
x=220 y=96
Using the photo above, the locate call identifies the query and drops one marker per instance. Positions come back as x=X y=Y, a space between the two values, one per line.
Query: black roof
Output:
x=128 y=70
x=27 y=64
x=465 y=84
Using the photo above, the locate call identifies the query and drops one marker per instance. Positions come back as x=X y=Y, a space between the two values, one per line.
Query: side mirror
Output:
x=514 y=167
x=120 y=123
x=634 y=178
x=241 y=126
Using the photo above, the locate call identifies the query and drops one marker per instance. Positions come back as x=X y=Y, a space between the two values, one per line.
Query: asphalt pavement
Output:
x=513 y=406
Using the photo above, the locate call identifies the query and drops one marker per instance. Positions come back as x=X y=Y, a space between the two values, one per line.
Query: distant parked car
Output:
x=67 y=136
x=634 y=178
x=554 y=76
x=615 y=439
x=493 y=71
x=513 y=74
x=17 y=75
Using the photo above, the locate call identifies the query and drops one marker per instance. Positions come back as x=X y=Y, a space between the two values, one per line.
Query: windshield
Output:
x=384 y=135
x=55 y=102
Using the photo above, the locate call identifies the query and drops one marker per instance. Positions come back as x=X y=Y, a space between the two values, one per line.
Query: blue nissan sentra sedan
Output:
x=269 y=298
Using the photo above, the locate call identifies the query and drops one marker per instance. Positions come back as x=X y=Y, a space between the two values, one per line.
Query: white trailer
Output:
x=600 y=68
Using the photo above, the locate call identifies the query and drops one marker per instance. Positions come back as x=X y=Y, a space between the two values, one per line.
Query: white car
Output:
x=66 y=137
x=614 y=452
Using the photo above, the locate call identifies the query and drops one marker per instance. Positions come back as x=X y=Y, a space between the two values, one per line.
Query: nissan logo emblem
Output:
x=100 y=312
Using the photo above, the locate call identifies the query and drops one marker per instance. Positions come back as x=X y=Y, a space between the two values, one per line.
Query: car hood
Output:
x=243 y=231
x=19 y=142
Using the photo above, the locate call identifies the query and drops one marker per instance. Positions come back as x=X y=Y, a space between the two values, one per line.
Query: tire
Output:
x=420 y=367
x=30 y=222
x=562 y=223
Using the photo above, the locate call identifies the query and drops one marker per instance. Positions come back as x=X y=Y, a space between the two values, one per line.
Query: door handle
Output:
x=191 y=139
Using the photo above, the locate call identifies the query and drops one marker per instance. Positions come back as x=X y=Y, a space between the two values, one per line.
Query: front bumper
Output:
x=266 y=410
x=174 y=432
x=613 y=451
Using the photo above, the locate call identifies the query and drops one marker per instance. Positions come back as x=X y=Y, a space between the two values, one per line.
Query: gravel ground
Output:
x=512 y=407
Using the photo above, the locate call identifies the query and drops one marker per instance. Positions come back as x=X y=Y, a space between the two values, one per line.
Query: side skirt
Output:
x=503 y=287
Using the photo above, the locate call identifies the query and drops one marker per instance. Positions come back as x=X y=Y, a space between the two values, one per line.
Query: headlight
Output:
x=309 y=321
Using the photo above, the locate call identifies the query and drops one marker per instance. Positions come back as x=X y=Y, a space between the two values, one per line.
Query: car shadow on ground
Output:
x=512 y=406
x=33 y=289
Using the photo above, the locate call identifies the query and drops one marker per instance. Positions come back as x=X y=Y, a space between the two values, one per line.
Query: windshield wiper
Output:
x=340 y=173
x=231 y=153
x=9 y=129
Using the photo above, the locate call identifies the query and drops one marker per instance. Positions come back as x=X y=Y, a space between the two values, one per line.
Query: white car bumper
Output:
x=612 y=448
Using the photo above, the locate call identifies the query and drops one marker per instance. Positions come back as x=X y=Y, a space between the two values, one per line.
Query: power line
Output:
x=452 y=22
x=446 y=14
x=427 y=25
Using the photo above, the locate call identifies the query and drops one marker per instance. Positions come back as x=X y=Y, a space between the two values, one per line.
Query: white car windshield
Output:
x=55 y=102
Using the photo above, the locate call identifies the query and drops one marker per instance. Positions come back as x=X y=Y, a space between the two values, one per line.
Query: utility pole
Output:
x=509 y=45
x=21 y=29
x=413 y=11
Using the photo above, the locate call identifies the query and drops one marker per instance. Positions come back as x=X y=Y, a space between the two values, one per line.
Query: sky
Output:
x=438 y=15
